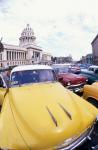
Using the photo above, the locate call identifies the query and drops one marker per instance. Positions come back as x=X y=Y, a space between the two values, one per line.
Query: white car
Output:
x=93 y=68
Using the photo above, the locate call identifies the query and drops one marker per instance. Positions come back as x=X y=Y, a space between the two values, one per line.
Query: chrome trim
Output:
x=95 y=148
x=76 y=85
x=80 y=140
x=76 y=88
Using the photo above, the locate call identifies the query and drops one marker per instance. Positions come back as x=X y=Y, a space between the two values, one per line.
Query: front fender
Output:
x=90 y=91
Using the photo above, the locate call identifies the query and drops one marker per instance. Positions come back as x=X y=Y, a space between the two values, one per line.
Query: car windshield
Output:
x=32 y=76
x=62 y=70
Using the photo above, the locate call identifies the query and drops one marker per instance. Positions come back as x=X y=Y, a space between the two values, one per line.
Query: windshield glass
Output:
x=62 y=70
x=32 y=76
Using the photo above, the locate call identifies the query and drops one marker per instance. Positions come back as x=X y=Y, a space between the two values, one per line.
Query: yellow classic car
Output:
x=90 y=93
x=38 y=113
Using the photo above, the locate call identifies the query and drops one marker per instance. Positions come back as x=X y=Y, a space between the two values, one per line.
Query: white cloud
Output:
x=62 y=27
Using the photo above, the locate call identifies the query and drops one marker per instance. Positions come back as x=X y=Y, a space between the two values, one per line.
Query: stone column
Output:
x=13 y=55
x=21 y=55
x=34 y=54
x=8 y=55
x=17 y=55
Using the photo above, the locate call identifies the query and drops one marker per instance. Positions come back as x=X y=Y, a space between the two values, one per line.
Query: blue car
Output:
x=91 y=75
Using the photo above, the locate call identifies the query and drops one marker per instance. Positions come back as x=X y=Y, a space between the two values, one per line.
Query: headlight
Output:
x=66 y=143
x=68 y=84
x=86 y=80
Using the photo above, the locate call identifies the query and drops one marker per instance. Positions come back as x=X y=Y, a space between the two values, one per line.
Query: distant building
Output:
x=46 y=58
x=26 y=53
x=88 y=59
x=95 y=50
x=67 y=59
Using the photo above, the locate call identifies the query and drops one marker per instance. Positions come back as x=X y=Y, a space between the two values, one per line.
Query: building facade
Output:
x=88 y=59
x=95 y=50
x=26 y=53
x=61 y=60
x=46 y=58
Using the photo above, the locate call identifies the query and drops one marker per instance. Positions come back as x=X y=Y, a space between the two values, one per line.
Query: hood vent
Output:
x=66 y=112
x=52 y=117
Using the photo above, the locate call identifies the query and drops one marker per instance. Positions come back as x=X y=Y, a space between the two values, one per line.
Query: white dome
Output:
x=27 y=36
x=28 y=31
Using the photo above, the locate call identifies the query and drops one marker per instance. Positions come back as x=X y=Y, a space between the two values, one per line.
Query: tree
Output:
x=1 y=46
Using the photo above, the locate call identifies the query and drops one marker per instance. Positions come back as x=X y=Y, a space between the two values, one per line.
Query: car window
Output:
x=96 y=71
x=91 y=69
x=62 y=70
x=32 y=76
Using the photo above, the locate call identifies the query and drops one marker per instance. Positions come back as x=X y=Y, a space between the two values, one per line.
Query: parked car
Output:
x=93 y=68
x=91 y=93
x=74 y=69
x=69 y=80
x=37 y=112
x=92 y=76
x=84 y=66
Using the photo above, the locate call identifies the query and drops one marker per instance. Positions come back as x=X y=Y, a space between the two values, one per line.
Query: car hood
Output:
x=47 y=114
x=73 y=78
x=95 y=84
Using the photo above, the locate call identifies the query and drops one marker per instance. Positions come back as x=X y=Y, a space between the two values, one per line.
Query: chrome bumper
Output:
x=80 y=140
x=76 y=88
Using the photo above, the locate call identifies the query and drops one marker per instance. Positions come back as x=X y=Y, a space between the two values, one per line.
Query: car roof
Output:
x=93 y=66
x=60 y=65
x=66 y=64
x=30 y=67
x=89 y=73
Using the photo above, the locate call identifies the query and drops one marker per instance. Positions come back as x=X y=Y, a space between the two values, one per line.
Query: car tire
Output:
x=93 y=102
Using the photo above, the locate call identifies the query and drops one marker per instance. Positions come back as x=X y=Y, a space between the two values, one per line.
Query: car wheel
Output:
x=93 y=102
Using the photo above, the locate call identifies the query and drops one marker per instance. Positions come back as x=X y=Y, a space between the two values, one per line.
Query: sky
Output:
x=62 y=27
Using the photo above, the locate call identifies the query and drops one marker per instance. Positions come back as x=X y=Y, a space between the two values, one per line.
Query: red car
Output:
x=75 y=69
x=72 y=81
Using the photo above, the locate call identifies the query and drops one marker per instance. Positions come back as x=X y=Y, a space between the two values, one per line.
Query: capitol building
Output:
x=26 y=53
